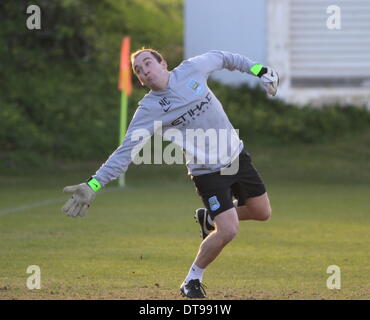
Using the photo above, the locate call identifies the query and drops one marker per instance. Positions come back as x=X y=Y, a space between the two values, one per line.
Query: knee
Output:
x=265 y=214
x=229 y=234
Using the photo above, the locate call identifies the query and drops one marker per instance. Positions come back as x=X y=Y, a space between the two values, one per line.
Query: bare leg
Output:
x=226 y=224
x=256 y=208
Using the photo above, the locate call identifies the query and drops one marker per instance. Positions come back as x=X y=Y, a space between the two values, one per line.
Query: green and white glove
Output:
x=269 y=77
x=83 y=195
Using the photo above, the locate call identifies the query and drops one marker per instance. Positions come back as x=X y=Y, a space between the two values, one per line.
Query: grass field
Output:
x=139 y=242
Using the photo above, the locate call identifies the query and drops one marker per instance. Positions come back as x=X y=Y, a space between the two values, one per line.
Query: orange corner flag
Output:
x=125 y=83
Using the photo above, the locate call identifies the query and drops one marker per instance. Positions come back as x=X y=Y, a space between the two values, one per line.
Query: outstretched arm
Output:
x=142 y=125
x=84 y=194
x=217 y=60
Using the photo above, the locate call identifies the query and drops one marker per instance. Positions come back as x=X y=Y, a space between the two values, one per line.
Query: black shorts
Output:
x=217 y=191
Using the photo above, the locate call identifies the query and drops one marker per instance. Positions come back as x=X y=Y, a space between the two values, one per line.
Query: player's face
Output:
x=149 y=71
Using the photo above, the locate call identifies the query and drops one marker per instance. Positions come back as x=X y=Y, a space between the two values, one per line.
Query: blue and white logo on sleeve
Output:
x=195 y=86
x=213 y=203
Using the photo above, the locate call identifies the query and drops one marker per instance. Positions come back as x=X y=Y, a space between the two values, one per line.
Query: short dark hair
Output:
x=155 y=53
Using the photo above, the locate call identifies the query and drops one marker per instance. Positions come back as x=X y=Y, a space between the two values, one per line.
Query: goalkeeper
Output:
x=182 y=100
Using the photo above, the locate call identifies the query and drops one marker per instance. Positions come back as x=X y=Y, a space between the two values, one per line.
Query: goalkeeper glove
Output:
x=83 y=195
x=269 y=77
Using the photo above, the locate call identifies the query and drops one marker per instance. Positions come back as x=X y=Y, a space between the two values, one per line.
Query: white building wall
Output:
x=278 y=39
x=329 y=65
x=316 y=65
x=237 y=26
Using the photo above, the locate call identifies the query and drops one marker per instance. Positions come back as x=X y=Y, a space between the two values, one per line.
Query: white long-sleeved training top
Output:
x=185 y=112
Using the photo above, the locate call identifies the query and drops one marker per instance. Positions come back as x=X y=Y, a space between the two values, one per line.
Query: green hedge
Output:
x=59 y=97
x=261 y=118
x=82 y=123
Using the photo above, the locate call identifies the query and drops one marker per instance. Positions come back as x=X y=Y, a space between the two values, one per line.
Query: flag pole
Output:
x=122 y=130
x=125 y=86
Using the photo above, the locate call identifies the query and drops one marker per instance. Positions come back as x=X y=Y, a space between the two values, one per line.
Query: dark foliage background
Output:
x=58 y=85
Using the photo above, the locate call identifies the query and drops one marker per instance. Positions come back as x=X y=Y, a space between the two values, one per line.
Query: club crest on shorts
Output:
x=213 y=203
